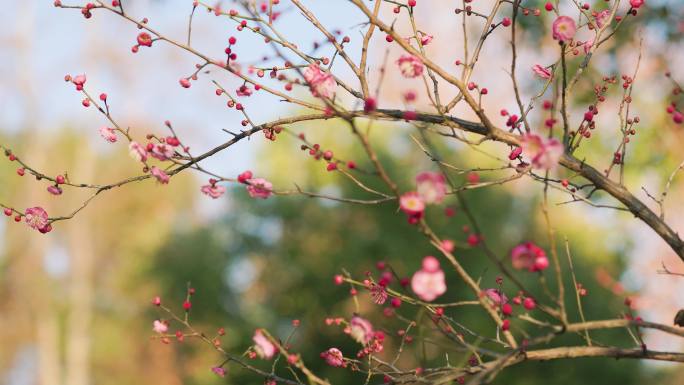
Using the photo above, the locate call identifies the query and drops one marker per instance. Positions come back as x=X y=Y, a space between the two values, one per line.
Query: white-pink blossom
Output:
x=544 y=153
x=431 y=187
x=109 y=134
x=428 y=283
x=322 y=83
x=410 y=66
x=263 y=347
x=137 y=152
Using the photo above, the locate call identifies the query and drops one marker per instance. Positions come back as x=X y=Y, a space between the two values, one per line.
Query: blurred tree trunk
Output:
x=80 y=243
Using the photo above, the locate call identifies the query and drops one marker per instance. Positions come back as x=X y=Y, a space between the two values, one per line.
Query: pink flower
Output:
x=564 y=29
x=161 y=176
x=109 y=134
x=448 y=245
x=79 y=81
x=259 y=188
x=219 y=371
x=602 y=17
x=213 y=190
x=137 y=152
x=160 y=327
x=529 y=256
x=541 y=71
x=378 y=294
x=587 y=46
x=496 y=296
x=162 y=151
x=412 y=204
x=244 y=90
x=54 y=190
x=426 y=39
x=263 y=347
x=636 y=3
x=36 y=218
x=410 y=66
x=334 y=357
x=428 y=282
x=361 y=330
x=322 y=84
x=544 y=152
x=431 y=187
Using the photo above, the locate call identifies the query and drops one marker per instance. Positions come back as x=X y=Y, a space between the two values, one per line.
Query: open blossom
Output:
x=259 y=188
x=213 y=190
x=361 y=330
x=36 y=218
x=161 y=176
x=109 y=134
x=530 y=257
x=137 y=152
x=263 y=347
x=160 y=327
x=428 y=282
x=602 y=17
x=412 y=204
x=334 y=357
x=431 y=187
x=162 y=151
x=322 y=84
x=564 y=29
x=410 y=66
x=544 y=153
x=496 y=296
x=542 y=71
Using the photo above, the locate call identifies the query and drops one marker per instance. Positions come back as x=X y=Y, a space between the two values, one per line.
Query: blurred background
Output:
x=75 y=306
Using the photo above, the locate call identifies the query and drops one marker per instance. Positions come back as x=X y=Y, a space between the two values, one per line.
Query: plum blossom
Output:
x=322 y=84
x=213 y=190
x=137 y=152
x=361 y=330
x=426 y=39
x=496 y=296
x=544 y=153
x=219 y=371
x=530 y=257
x=79 y=81
x=602 y=17
x=36 y=218
x=428 y=282
x=259 y=188
x=161 y=176
x=636 y=4
x=162 y=151
x=431 y=187
x=587 y=46
x=542 y=71
x=564 y=29
x=109 y=134
x=411 y=204
x=244 y=90
x=263 y=347
x=334 y=357
x=410 y=66
x=54 y=190
x=160 y=327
